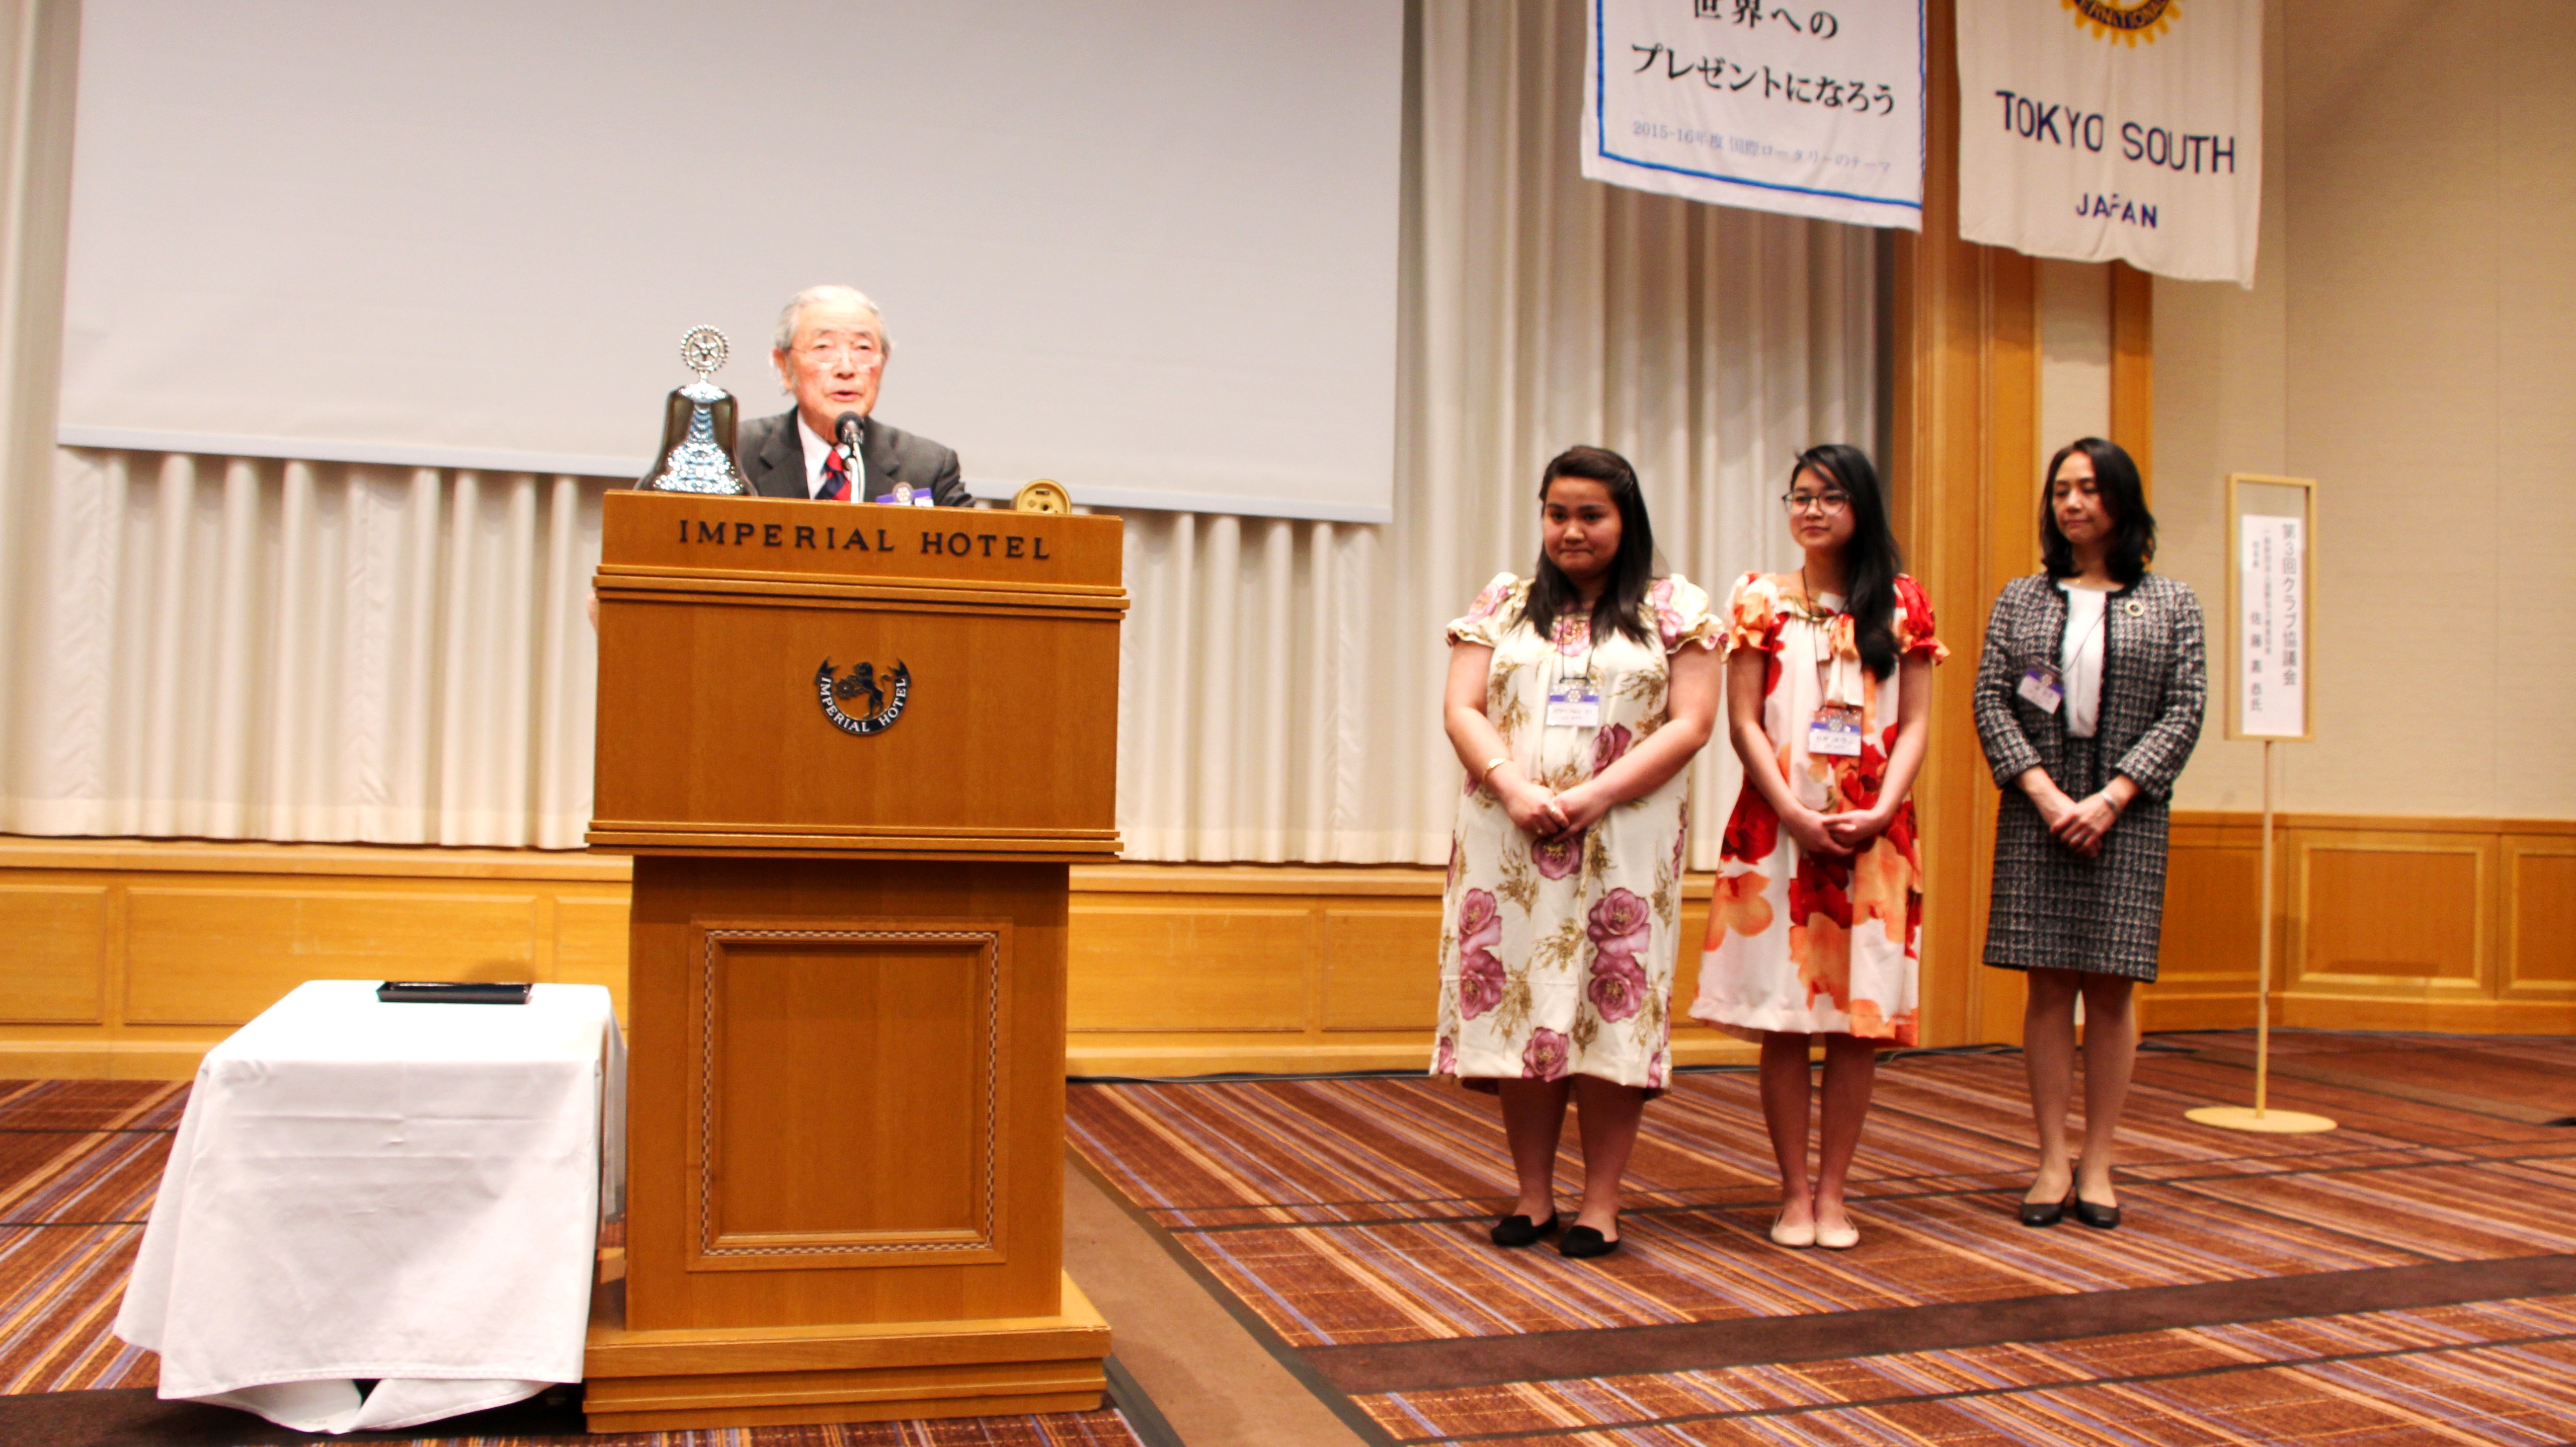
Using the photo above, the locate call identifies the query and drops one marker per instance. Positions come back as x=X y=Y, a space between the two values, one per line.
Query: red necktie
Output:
x=836 y=478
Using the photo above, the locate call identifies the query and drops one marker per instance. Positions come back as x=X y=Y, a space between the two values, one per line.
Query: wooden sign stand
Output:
x=2261 y=1117
x=854 y=751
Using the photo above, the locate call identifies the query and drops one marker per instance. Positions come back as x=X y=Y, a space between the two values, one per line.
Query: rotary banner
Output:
x=2101 y=130
x=1811 y=107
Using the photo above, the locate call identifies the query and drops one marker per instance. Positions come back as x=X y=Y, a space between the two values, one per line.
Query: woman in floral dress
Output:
x=1814 y=918
x=1575 y=698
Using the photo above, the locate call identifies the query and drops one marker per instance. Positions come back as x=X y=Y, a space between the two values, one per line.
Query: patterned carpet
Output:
x=2404 y=1279
x=79 y=1162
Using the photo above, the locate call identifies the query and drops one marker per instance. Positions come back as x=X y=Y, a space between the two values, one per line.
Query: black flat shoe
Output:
x=2100 y=1218
x=1520 y=1231
x=2042 y=1213
x=1583 y=1243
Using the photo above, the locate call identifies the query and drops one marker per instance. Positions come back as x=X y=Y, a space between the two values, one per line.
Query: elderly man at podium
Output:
x=831 y=350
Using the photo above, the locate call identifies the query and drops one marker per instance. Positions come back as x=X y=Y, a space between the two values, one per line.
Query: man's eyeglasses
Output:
x=860 y=352
x=1827 y=503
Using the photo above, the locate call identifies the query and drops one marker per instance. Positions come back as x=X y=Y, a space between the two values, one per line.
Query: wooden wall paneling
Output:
x=2391 y=918
x=590 y=942
x=1962 y=447
x=2206 y=971
x=1356 y=963
x=184 y=940
x=1139 y=964
x=2537 y=876
x=218 y=954
x=57 y=952
x=2133 y=369
x=1382 y=966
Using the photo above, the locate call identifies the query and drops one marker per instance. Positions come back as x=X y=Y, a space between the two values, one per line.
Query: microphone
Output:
x=845 y=428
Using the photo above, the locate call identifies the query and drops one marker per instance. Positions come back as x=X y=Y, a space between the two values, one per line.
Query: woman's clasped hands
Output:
x=2079 y=824
x=1544 y=813
x=1839 y=835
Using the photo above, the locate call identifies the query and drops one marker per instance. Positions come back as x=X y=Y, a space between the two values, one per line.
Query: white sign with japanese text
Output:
x=1809 y=107
x=2271 y=628
x=2102 y=130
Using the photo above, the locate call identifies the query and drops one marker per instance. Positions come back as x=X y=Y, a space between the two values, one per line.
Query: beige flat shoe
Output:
x=1796 y=1238
x=1841 y=1238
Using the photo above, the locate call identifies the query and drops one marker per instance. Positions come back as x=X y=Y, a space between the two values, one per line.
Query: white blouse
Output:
x=2079 y=662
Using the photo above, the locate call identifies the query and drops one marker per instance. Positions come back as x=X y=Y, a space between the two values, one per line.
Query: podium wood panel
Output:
x=847 y=952
x=843 y=1128
x=716 y=615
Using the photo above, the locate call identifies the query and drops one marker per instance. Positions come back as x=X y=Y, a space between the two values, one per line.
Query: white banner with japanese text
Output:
x=2272 y=628
x=2103 y=130
x=1809 y=107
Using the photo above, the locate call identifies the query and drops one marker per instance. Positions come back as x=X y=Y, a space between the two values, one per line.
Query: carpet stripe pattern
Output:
x=1347 y=1219
x=79 y=1163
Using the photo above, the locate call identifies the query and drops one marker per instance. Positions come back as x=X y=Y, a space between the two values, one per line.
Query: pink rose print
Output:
x=1480 y=983
x=1655 y=1071
x=1546 y=1057
x=1557 y=857
x=1480 y=970
x=1609 y=744
x=1618 y=987
x=1486 y=602
x=1668 y=619
x=1444 y=1060
x=1573 y=636
x=1480 y=920
x=1619 y=923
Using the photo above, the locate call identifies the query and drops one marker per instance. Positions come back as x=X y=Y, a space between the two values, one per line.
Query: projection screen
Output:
x=1144 y=247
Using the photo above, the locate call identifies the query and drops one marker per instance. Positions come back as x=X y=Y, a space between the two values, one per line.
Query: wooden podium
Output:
x=853 y=750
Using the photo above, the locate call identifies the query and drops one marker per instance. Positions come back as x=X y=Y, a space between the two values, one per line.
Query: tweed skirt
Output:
x=2054 y=909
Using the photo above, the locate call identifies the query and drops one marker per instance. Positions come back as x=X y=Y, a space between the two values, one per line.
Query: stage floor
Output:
x=2402 y=1279
x=2405 y=1279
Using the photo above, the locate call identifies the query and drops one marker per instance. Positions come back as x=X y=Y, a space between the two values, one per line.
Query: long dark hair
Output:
x=2115 y=480
x=1622 y=604
x=1870 y=558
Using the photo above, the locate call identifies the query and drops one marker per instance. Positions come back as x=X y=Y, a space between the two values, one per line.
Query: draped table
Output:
x=410 y=1193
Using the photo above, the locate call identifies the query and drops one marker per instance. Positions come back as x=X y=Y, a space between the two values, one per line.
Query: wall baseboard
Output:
x=129 y=958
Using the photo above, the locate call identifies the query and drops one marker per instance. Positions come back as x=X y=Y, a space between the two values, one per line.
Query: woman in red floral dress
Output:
x=1813 y=923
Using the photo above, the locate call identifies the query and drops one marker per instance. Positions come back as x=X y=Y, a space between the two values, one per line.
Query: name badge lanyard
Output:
x=2045 y=686
x=1571 y=702
x=1835 y=731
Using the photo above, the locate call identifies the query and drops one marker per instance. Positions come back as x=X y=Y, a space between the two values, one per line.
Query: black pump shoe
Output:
x=1583 y=1243
x=2100 y=1218
x=2042 y=1213
x=1521 y=1231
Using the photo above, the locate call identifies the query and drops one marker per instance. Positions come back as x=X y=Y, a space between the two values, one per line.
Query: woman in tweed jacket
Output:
x=2088 y=701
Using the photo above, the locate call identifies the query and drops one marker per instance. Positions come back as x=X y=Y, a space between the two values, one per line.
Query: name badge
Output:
x=1574 y=705
x=906 y=495
x=1835 y=731
x=2041 y=688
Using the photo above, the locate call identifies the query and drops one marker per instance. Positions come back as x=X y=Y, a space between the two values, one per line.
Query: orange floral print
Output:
x=1737 y=902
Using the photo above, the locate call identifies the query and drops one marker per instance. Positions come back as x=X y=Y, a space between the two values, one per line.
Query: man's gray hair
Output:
x=784 y=338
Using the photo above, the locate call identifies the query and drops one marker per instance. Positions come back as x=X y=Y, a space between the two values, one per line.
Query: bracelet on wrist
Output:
x=1491 y=764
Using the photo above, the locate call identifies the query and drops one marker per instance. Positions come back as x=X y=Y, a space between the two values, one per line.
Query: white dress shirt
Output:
x=2079 y=664
x=815 y=449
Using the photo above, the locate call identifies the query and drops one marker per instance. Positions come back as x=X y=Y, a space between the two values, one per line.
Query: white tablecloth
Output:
x=397 y=1191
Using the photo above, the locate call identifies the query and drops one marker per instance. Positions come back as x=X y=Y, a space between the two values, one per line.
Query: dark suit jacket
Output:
x=772 y=453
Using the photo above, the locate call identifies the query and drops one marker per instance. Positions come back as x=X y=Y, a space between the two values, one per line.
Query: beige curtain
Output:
x=233 y=648
x=238 y=649
x=1283 y=678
